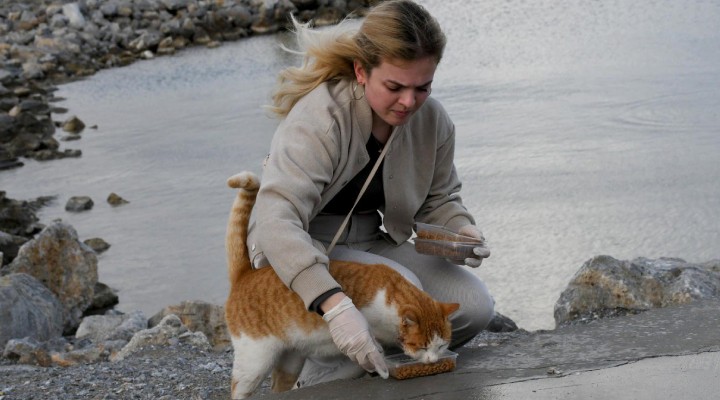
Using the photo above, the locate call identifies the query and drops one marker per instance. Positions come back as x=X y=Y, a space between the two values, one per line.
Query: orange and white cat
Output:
x=271 y=330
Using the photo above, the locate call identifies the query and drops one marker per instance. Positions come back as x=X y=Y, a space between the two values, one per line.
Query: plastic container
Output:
x=439 y=241
x=434 y=232
x=451 y=250
x=402 y=366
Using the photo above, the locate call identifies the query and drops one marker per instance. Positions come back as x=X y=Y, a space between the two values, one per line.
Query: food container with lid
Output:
x=440 y=241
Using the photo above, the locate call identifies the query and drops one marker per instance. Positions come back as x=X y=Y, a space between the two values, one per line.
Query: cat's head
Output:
x=425 y=331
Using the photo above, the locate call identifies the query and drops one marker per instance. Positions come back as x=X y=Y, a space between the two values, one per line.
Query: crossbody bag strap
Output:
x=362 y=191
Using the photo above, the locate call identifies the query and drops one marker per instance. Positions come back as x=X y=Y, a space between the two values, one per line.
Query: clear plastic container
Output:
x=402 y=366
x=434 y=232
x=439 y=241
x=451 y=250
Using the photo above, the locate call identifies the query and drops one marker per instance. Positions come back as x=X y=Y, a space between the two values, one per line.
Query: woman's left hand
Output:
x=481 y=251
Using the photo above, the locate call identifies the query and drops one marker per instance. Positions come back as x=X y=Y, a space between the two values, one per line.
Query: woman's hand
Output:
x=481 y=251
x=351 y=333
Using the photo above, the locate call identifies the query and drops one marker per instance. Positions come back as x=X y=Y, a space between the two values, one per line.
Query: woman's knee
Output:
x=477 y=309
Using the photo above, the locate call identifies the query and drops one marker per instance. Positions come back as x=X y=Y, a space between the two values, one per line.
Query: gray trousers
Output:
x=363 y=241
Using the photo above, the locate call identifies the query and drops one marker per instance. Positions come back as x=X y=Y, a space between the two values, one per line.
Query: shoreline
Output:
x=45 y=43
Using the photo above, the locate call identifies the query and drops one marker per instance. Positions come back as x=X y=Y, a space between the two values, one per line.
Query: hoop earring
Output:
x=354 y=87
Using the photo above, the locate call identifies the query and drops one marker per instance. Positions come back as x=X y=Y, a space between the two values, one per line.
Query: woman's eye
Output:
x=393 y=88
x=424 y=89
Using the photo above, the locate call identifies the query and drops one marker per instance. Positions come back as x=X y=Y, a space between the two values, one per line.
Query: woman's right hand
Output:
x=351 y=333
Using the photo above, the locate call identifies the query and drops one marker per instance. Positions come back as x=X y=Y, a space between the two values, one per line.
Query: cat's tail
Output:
x=238 y=258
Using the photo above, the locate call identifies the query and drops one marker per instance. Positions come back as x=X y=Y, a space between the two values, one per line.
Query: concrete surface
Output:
x=669 y=353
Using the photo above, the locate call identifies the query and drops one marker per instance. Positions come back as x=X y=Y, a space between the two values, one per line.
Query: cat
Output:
x=271 y=329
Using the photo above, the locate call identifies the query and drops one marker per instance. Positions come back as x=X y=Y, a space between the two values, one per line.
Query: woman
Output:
x=355 y=93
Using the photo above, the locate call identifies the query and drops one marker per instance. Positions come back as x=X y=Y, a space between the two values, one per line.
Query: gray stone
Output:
x=199 y=316
x=102 y=328
x=169 y=331
x=64 y=265
x=9 y=246
x=28 y=309
x=27 y=351
x=104 y=298
x=74 y=15
x=97 y=244
x=605 y=286
x=79 y=203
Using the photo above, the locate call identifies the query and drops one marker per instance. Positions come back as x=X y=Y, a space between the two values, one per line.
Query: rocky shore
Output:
x=46 y=42
x=60 y=336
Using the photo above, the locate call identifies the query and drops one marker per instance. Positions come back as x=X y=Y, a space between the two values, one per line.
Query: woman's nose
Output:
x=407 y=98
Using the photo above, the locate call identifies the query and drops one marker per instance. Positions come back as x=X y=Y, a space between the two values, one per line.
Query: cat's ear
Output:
x=449 y=308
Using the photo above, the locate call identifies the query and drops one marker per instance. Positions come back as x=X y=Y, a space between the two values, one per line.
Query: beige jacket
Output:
x=317 y=149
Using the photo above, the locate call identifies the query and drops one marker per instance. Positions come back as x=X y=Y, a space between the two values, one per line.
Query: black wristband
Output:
x=315 y=305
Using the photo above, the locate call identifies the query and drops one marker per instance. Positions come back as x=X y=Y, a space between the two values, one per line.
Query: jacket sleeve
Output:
x=299 y=166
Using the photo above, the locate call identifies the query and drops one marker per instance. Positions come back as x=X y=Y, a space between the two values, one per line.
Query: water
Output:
x=583 y=128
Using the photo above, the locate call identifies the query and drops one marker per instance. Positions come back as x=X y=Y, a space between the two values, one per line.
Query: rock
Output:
x=501 y=323
x=74 y=15
x=81 y=356
x=64 y=265
x=17 y=217
x=199 y=316
x=79 y=203
x=9 y=247
x=73 y=125
x=112 y=327
x=27 y=351
x=605 y=286
x=115 y=200
x=104 y=298
x=28 y=309
x=168 y=332
x=97 y=244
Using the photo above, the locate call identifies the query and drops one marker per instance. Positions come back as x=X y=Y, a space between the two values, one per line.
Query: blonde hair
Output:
x=393 y=30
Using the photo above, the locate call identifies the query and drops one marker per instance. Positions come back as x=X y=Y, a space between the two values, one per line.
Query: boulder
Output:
x=104 y=298
x=28 y=309
x=64 y=265
x=168 y=332
x=199 y=316
x=605 y=286
x=27 y=350
x=111 y=327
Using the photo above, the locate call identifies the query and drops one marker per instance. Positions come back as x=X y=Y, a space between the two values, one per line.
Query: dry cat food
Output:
x=439 y=241
x=434 y=232
x=452 y=250
x=404 y=367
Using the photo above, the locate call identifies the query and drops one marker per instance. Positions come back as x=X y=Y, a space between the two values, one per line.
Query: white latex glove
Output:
x=481 y=251
x=351 y=334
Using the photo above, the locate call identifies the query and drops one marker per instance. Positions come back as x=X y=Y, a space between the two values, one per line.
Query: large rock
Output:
x=28 y=309
x=605 y=286
x=168 y=332
x=64 y=265
x=102 y=328
x=199 y=316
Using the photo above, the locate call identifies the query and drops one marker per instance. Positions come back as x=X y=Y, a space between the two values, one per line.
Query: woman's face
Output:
x=396 y=89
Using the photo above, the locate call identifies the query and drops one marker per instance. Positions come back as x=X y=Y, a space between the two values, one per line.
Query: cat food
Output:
x=438 y=241
x=402 y=366
x=434 y=232
x=451 y=250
